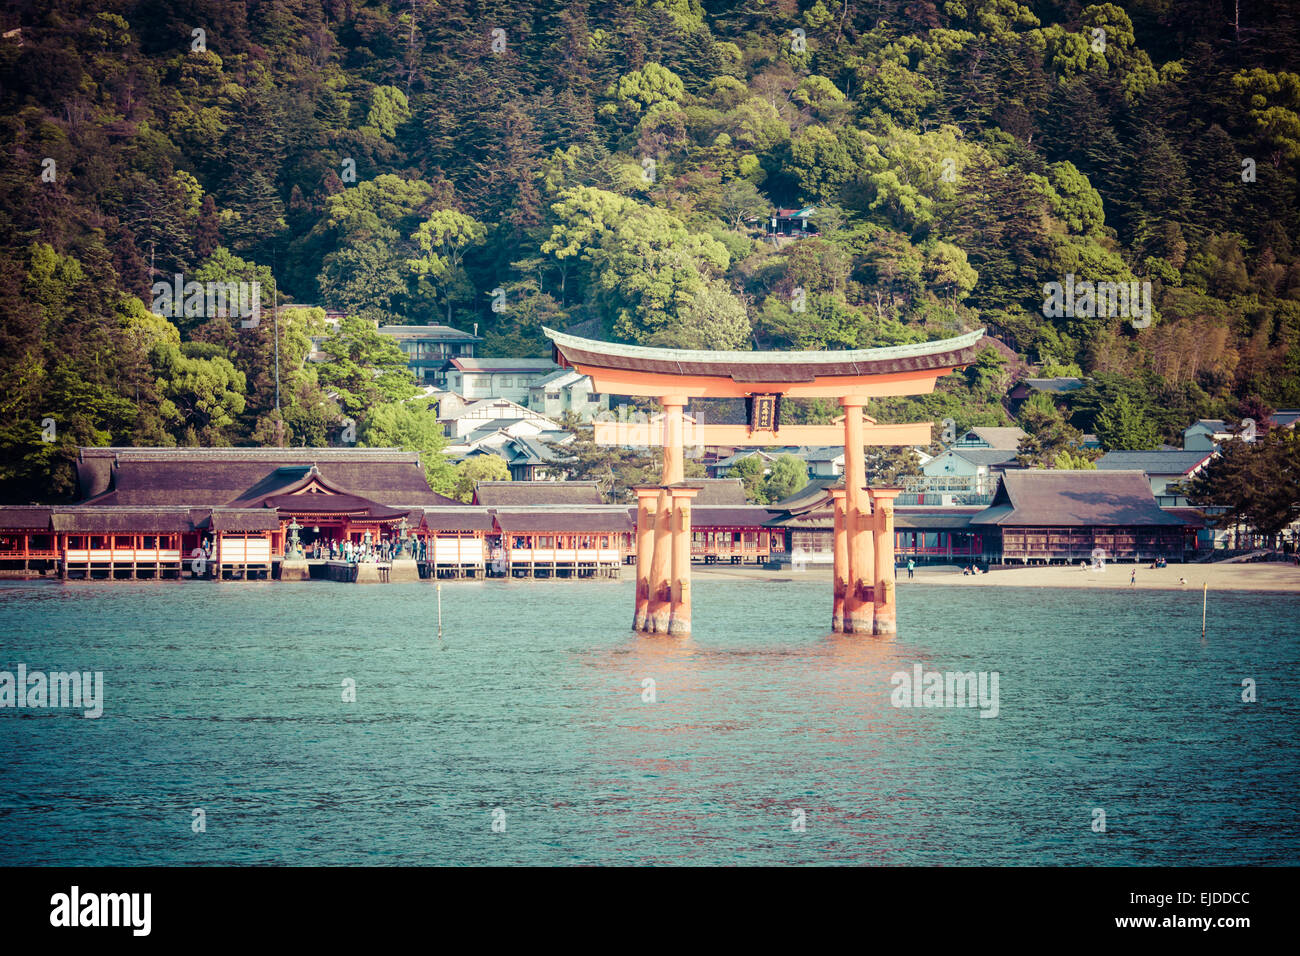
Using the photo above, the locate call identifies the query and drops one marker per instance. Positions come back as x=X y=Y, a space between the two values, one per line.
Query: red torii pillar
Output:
x=663 y=535
x=679 y=622
x=859 y=613
x=885 y=611
x=646 y=512
x=840 y=579
x=661 y=555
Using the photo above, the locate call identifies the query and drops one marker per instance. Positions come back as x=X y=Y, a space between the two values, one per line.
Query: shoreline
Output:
x=1268 y=577
x=1264 y=577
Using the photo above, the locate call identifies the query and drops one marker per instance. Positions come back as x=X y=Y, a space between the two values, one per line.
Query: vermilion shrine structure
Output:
x=864 y=517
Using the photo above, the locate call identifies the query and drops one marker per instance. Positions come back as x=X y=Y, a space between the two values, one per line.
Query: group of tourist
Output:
x=357 y=552
x=968 y=569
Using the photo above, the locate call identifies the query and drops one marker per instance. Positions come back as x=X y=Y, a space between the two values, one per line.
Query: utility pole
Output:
x=275 y=312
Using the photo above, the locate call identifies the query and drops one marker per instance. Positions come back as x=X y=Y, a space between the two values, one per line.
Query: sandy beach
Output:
x=1273 y=576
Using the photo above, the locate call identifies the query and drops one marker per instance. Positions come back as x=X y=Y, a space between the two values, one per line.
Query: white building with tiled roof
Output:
x=510 y=378
x=565 y=390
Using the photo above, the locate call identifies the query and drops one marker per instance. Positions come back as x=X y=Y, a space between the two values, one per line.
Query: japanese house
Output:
x=1047 y=517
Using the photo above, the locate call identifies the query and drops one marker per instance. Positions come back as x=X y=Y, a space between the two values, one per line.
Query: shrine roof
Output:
x=563 y=520
x=335 y=504
x=245 y=477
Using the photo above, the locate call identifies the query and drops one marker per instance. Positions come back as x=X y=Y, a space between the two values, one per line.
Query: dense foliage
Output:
x=1255 y=482
x=602 y=166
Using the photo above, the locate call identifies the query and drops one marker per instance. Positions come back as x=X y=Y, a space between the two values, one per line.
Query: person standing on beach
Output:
x=1133 y=580
x=911 y=568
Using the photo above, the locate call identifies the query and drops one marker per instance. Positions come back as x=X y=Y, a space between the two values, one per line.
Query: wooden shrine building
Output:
x=1060 y=516
x=226 y=512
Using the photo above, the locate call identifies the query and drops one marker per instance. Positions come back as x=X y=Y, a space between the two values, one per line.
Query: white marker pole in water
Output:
x=439 y=590
x=1205 y=597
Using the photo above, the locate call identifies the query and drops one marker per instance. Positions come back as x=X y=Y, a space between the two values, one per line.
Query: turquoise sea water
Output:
x=228 y=697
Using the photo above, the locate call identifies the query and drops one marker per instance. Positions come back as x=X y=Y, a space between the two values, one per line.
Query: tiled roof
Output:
x=243 y=519
x=1154 y=462
x=560 y=375
x=123 y=520
x=719 y=492
x=734 y=516
x=495 y=365
x=984 y=456
x=749 y=453
x=494 y=494
x=534 y=450
x=26 y=517
x=954 y=520
x=443 y=333
x=1284 y=417
x=809 y=494
x=1054 y=385
x=563 y=520
x=454 y=519
x=998 y=437
x=1060 y=498
x=243 y=477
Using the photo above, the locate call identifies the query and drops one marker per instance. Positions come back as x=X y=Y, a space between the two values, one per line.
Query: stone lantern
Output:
x=293 y=547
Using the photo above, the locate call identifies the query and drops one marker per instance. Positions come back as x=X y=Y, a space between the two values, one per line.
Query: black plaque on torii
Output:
x=763 y=412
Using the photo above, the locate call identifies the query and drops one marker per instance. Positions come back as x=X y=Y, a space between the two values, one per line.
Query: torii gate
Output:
x=864 y=569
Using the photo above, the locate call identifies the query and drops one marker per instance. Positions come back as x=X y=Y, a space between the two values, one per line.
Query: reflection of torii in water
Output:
x=864 y=517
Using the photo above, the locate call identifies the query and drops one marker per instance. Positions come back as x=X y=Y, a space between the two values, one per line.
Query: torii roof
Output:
x=768 y=366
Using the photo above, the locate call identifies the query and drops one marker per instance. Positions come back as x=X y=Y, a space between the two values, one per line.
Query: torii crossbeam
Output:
x=864 y=569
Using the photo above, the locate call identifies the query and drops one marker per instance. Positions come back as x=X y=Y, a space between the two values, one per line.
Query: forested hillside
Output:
x=602 y=166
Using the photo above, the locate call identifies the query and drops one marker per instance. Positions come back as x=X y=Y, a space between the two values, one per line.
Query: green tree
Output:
x=1048 y=435
x=410 y=426
x=886 y=465
x=739 y=201
x=443 y=239
x=823 y=161
x=201 y=396
x=752 y=471
x=1123 y=426
x=638 y=91
x=1074 y=461
x=364 y=368
x=787 y=475
x=1256 y=481
x=471 y=471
